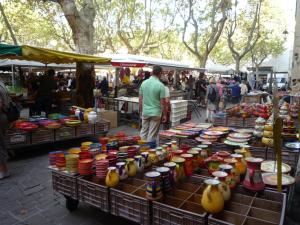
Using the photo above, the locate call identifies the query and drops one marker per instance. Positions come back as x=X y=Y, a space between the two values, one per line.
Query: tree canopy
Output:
x=226 y=31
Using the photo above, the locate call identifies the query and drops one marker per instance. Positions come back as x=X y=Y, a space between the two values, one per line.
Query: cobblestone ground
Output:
x=27 y=196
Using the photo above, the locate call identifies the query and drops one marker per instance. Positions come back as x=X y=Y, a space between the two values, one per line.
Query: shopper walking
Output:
x=152 y=105
x=244 y=89
x=4 y=104
x=212 y=99
x=201 y=89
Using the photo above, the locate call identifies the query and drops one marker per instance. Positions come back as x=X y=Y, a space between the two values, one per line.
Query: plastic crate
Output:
x=93 y=191
x=249 y=122
x=235 y=122
x=128 y=200
x=16 y=138
x=64 y=133
x=267 y=207
x=65 y=184
x=101 y=126
x=85 y=129
x=42 y=136
x=220 y=121
x=181 y=206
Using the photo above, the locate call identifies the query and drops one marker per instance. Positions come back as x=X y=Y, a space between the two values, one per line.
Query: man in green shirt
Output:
x=152 y=105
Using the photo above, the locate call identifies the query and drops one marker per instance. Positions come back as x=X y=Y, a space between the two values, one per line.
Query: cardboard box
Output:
x=111 y=116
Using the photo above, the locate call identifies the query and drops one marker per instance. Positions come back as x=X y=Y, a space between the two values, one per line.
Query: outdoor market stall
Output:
x=57 y=127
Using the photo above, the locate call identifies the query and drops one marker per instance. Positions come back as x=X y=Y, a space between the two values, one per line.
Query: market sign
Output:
x=128 y=64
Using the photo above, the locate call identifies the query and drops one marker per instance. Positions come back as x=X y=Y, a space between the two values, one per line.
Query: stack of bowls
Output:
x=60 y=161
x=101 y=168
x=85 y=155
x=72 y=163
x=112 y=157
x=52 y=157
x=85 y=166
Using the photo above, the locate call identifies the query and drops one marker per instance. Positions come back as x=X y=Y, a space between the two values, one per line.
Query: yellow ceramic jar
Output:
x=239 y=165
x=268 y=134
x=131 y=167
x=212 y=200
x=267 y=141
x=223 y=186
x=268 y=127
x=153 y=158
x=112 y=177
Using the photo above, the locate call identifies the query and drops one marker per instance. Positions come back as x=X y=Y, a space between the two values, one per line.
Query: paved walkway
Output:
x=27 y=196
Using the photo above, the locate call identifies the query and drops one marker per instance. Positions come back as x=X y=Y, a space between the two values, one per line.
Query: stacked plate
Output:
x=74 y=150
x=238 y=139
x=101 y=168
x=52 y=157
x=72 y=163
x=85 y=155
x=112 y=157
x=85 y=166
x=60 y=161
x=122 y=156
x=210 y=135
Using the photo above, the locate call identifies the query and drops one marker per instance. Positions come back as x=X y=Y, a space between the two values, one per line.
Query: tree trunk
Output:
x=7 y=24
x=85 y=77
x=237 y=65
x=203 y=61
x=82 y=25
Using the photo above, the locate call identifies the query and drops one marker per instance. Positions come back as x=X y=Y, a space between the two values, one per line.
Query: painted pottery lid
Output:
x=236 y=156
x=212 y=182
x=202 y=146
x=230 y=160
x=145 y=153
x=271 y=167
x=220 y=174
x=186 y=155
x=152 y=174
x=214 y=158
x=193 y=152
x=163 y=169
x=173 y=142
x=196 y=149
x=178 y=159
x=254 y=160
x=112 y=168
x=223 y=153
x=138 y=156
x=225 y=167
x=271 y=179
x=120 y=163
x=170 y=164
x=158 y=148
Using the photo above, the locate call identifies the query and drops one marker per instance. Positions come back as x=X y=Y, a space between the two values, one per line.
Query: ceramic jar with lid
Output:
x=112 y=177
x=131 y=167
x=212 y=199
x=153 y=158
x=240 y=166
x=153 y=187
x=188 y=165
x=195 y=153
x=235 y=171
x=213 y=163
x=179 y=170
x=230 y=179
x=165 y=178
x=223 y=186
x=172 y=173
x=92 y=117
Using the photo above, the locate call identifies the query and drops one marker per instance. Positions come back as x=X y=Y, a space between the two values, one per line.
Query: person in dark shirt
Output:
x=47 y=86
x=104 y=87
x=235 y=92
x=201 y=85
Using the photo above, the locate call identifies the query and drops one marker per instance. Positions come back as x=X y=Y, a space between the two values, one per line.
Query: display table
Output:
x=16 y=138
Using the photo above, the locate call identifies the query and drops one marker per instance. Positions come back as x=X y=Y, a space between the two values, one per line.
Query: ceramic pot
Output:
x=253 y=179
x=268 y=127
x=230 y=179
x=267 y=141
x=223 y=186
x=139 y=163
x=223 y=154
x=213 y=163
x=268 y=134
x=92 y=117
x=235 y=171
x=165 y=178
x=166 y=152
x=153 y=158
x=239 y=165
x=247 y=149
x=194 y=152
x=202 y=156
x=188 y=164
x=153 y=187
x=112 y=177
x=174 y=145
x=131 y=167
x=172 y=173
x=160 y=154
x=179 y=170
x=122 y=170
x=212 y=200
x=146 y=159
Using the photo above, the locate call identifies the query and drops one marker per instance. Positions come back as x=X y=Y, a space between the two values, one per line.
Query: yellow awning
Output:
x=47 y=56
